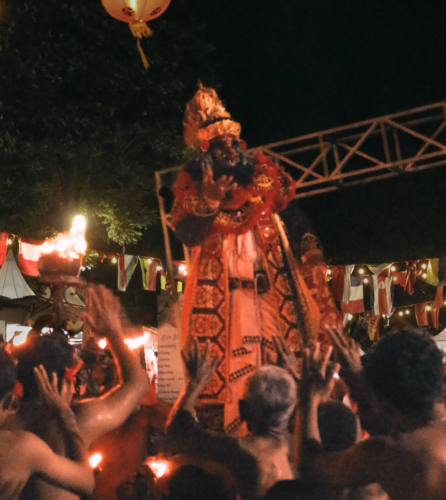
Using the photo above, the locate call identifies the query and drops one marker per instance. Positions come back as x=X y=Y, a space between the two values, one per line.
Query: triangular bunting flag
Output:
x=126 y=267
x=421 y=314
x=148 y=270
x=373 y=326
x=436 y=272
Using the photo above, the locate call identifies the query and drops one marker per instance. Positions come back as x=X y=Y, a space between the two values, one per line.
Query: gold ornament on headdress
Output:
x=206 y=118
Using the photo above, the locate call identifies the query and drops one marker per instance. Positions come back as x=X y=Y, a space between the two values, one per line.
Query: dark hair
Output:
x=405 y=369
x=191 y=482
x=297 y=489
x=7 y=374
x=52 y=351
x=337 y=426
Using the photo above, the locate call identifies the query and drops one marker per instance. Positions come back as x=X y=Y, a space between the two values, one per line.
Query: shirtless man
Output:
x=261 y=458
x=23 y=454
x=95 y=416
x=403 y=374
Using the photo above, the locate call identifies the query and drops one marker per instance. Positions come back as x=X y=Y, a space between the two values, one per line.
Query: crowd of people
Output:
x=382 y=436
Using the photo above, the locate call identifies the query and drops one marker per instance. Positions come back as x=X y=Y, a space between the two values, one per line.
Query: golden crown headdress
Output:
x=206 y=118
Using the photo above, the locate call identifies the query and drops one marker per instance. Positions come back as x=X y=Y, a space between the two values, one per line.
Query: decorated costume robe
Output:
x=243 y=284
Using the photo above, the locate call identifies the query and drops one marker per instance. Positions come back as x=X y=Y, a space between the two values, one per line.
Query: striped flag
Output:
x=381 y=293
x=29 y=254
x=148 y=269
x=126 y=267
x=355 y=302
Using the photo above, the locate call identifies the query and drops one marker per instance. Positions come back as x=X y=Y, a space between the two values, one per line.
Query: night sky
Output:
x=289 y=68
x=286 y=68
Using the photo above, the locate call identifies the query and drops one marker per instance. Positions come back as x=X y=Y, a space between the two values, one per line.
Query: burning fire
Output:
x=71 y=245
x=158 y=467
x=95 y=460
x=102 y=343
x=138 y=342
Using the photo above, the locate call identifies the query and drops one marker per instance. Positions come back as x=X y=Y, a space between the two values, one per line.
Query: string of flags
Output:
x=30 y=251
x=350 y=284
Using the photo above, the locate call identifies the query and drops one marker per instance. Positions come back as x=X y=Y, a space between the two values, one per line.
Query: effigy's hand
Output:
x=317 y=380
x=215 y=191
x=349 y=352
x=199 y=367
x=103 y=313
x=49 y=392
x=285 y=357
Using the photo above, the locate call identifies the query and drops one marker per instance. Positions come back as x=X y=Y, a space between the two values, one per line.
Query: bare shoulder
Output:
x=19 y=445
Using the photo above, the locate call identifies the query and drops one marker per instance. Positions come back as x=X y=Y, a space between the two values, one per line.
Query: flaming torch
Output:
x=60 y=263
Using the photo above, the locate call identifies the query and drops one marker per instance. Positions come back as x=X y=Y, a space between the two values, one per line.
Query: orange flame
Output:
x=158 y=467
x=138 y=342
x=95 y=460
x=71 y=245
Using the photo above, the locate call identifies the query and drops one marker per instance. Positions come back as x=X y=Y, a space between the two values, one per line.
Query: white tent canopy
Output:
x=12 y=283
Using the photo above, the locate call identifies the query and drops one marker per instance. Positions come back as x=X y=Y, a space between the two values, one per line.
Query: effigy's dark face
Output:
x=225 y=150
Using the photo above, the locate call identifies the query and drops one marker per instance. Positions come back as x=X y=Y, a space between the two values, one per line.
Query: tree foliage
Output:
x=82 y=125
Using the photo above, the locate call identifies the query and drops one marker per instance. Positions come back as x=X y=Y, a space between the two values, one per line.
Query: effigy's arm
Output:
x=193 y=214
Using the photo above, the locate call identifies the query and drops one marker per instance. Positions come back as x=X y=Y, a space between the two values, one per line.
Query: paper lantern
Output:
x=136 y=13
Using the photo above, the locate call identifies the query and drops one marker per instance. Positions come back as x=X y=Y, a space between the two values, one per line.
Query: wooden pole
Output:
x=168 y=251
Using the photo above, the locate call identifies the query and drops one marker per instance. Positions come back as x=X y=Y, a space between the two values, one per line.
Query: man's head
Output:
x=52 y=351
x=7 y=376
x=191 y=482
x=337 y=426
x=269 y=401
x=405 y=372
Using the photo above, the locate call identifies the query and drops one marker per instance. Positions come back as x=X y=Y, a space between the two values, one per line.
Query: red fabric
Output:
x=411 y=276
x=355 y=303
x=29 y=254
x=3 y=247
x=439 y=297
x=381 y=293
x=121 y=272
x=18 y=389
x=152 y=276
x=435 y=313
x=421 y=314
x=400 y=278
x=337 y=282
x=353 y=306
x=70 y=374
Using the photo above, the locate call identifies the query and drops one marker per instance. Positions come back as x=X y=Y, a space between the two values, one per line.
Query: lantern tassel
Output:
x=141 y=53
x=140 y=29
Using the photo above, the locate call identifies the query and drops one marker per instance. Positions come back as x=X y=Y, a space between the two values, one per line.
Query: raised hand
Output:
x=348 y=350
x=49 y=392
x=200 y=369
x=103 y=314
x=317 y=375
x=215 y=191
x=285 y=357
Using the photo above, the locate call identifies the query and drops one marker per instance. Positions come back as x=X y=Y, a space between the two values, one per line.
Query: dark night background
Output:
x=284 y=68
x=289 y=68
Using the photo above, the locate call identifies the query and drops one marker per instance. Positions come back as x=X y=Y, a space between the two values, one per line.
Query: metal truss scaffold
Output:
x=367 y=151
